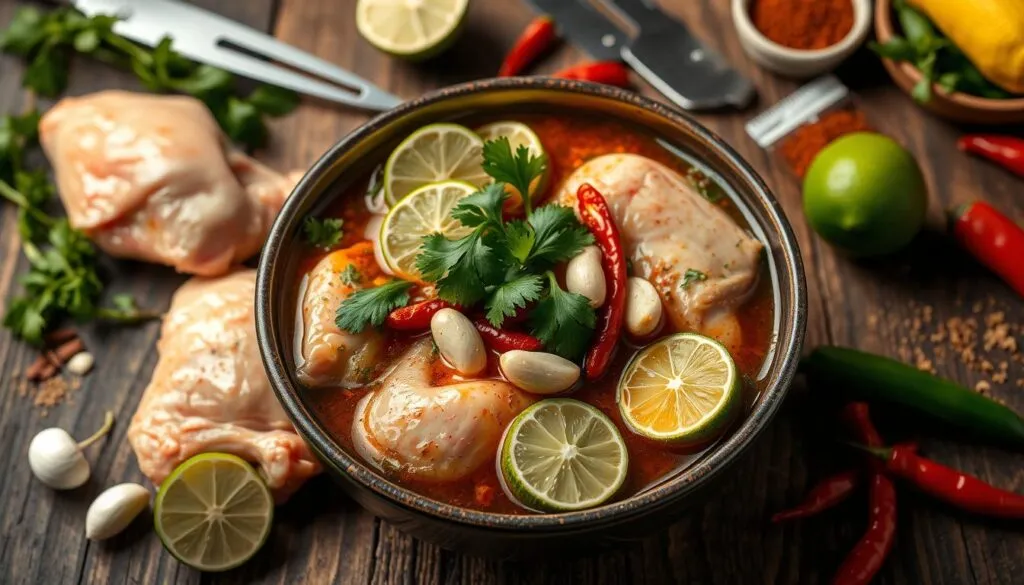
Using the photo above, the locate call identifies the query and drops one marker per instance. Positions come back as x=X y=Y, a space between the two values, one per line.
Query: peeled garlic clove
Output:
x=458 y=341
x=54 y=457
x=538 y=372
x=584 y=275
x=80 y=363
x=643 y=307
x=114 y=509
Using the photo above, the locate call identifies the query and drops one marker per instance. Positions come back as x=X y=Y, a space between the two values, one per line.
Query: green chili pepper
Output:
x=875 y=378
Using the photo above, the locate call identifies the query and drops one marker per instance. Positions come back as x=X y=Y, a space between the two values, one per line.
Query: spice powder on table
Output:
x=799 y=148
x=803 y=24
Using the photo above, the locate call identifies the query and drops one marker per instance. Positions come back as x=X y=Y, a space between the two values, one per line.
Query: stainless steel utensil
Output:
x=212 y=39
x=585 y=26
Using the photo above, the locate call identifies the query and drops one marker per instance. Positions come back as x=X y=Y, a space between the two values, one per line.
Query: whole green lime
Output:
x=865 y=194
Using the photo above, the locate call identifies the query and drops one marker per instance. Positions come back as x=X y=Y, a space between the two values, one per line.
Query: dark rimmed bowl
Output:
x=506 y=535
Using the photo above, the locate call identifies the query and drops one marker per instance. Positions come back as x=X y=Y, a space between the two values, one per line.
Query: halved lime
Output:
x=213 y=512
x=433 y=153
x=413 y=29
x=424 y=211
x=683 y=389
x=561 y=455
x=518 y=134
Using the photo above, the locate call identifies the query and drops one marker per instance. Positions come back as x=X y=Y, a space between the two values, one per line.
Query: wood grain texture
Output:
x=323 y=537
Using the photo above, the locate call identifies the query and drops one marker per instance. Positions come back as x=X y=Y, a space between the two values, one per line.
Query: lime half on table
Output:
x=561 y=455
x=412 y=29
x=434 y=153
x=213 y=512
x=683 y=389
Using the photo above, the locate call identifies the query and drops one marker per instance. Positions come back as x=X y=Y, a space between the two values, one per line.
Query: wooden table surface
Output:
x=323 y=537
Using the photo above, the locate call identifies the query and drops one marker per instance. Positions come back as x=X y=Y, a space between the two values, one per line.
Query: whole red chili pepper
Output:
x=501 y=341
x=864 y=561
x=606 y=72
x=951 y=486
x=858 y=417
x=595 y=214
x=993 y=239
x=537 y=37
x=828 y=492
x=416 y=317
x=1006 y=151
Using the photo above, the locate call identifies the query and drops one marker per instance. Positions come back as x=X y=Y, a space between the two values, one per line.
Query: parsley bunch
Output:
x=46 y=40
x=505 y=265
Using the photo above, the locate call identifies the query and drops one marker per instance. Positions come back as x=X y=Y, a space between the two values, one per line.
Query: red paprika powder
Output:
x=799 y=148
x=803 y=24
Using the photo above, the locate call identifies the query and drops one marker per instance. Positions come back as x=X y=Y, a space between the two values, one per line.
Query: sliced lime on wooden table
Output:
x=683 y=389
x=562 y=455
x=213 y=512
x=411 y=29
x=424 y=211
x=434 y=153
x=518 y=134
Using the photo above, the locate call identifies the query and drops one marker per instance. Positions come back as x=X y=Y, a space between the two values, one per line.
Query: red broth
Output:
x=569 y=141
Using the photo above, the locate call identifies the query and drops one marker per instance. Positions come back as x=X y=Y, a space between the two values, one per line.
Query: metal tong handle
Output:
x=208 y=38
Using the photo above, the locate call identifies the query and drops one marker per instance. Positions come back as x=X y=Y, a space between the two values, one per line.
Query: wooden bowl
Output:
x=956 y=106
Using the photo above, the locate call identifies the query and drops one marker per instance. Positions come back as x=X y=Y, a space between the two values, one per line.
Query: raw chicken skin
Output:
x=440 y=433
x=668 y=228
x=209 y=391
x=329 y=356
x=152 y=178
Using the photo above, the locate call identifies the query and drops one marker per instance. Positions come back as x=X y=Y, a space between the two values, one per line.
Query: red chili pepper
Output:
x=595 y=214
x=858 y=417
x=606 y=72
x=501 y=341
x=537 y=37
x=992 y=238
x=1006 y=151
x=951 y=486
x=828 y=492
x=864 y=561
x=416 y=317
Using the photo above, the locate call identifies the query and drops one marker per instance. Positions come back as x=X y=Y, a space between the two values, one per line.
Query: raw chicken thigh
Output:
x=152 y=178
x=433 y=433
x=668 y=228
x=209 y=391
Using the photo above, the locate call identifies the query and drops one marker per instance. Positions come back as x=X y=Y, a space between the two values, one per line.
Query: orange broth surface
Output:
x=569 y=141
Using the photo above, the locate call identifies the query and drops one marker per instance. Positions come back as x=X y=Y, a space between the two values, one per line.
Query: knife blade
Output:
x=585 y=27
x=669 y=57
x=209 y=38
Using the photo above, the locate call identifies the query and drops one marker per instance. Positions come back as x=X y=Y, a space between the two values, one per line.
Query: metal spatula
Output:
x=212 y=39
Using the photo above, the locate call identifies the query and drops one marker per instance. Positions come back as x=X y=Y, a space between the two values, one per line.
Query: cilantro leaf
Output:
x=512 y=295
x=350 y=276
x=274 y=101
x=519 y=237
x=462 y=269
x=483 y=208
x=323 y=233
x=691 y=276
x=558 y=235
x=564 y=321
x=371 y=306
x=518 y=169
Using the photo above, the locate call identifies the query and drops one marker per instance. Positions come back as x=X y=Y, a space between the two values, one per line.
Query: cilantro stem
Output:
x=11 y=194
x=125 y=316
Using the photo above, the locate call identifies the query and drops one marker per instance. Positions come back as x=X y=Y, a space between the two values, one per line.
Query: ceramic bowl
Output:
x=796 y=63
x=959 y=107
x=499 y=535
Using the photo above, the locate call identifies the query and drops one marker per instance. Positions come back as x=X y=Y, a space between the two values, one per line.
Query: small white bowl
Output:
x=795 y=62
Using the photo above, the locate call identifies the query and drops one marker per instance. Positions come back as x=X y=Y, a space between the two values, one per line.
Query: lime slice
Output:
x=433 y=153
x=518 y=134
x=683 y=389
x=413 y=29
x=213 y=512
x=424 y=211
x=562 y=455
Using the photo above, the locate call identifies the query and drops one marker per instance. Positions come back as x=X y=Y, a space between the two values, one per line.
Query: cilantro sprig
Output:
x=46 y=41
x=371 y=306
x=323 y=233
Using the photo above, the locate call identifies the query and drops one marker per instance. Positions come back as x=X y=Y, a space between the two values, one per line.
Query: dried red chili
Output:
x=416 y=317
x=537 y=37
x=803 y=24
x=800 y=147
x=604 y=72
x=826 y=494
x=501 y=340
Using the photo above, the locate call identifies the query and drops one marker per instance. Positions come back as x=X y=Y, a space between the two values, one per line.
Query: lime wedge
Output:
x=424 y=211
x=412 y=29
x=434 y=153
x=518 y=134
x=683 y=389
x=562 y=455
x=213 y=512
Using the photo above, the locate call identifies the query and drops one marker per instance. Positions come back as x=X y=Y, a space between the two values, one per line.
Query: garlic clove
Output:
x=56 y=460
x=584 y=275
x=458 y=341
x=80 y=363
x=114 y=509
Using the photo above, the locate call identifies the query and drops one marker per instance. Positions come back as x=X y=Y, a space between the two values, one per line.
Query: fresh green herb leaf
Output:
x=25 y=32
x=510 y=296
x=519 y=237
x=896 y=48
x=274 y=101
x=558 y=235
x=707 y=188
x=483 y=208
x=691 y=276
x=371 y=306
x=564 y=321
x=518 y=169
x=323 y=233
x=125 y=311
x=462 y=269
x=351 y=276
